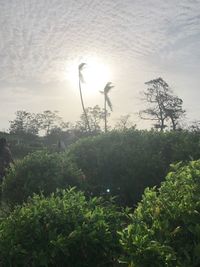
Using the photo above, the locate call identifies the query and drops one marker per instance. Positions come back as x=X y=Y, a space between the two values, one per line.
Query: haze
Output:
x=42 y=43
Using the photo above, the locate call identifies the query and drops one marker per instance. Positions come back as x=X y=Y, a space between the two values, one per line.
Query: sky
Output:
x=127 y=42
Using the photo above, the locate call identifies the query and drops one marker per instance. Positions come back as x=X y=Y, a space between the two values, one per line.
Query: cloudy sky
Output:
x=127 y=42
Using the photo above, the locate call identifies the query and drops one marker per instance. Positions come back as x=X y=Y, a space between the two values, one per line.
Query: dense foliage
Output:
x=22 y=144
x=129 y=161
x=38 y=172
x=64 y=229
x=165 y=228
x=69 y=229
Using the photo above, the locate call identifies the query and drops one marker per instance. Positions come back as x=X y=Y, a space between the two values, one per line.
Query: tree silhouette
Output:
x=163 y=105
x=95 y=117
x=174 y=110
x=81 y=80
x=107 y=101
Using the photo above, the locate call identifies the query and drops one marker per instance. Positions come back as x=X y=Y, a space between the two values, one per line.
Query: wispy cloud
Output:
x=38 y=38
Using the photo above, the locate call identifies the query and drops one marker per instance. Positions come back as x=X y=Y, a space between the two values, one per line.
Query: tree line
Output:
x=163 y=108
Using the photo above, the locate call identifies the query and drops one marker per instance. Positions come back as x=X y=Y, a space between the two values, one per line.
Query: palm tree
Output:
x=107 y=101
x=81 y=80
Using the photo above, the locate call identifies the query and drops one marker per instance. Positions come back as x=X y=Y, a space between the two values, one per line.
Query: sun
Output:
x=95 y=74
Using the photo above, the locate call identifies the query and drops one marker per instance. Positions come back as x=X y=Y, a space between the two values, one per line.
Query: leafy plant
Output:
x=165 y=227
x=65 y=229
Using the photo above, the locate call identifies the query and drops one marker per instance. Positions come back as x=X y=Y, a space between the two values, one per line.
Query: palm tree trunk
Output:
x=105 y=110
x=83 y=107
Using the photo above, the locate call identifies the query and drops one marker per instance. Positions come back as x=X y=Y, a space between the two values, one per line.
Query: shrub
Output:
x=64 y=229
x=165 y=228
x=39 y=171
x=128 y=162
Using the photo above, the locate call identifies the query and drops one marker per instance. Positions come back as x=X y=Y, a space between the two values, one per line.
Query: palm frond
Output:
x=80 y=67
x=108 y=87
x=108 y=102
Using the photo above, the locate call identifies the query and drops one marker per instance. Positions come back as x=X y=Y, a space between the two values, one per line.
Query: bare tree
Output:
x=124 y=123
x=95 y=116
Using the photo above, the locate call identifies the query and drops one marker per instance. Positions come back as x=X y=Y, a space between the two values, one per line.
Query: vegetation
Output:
x=25 y=129
x=43 y=222
x=163 y=105
x=124 y=123
x=22 y=144
x=25 y=123
x=165 y=227
x=95 y=117
x=31 y=123
x=127 y=162
x=38 y=172
x=64 y=229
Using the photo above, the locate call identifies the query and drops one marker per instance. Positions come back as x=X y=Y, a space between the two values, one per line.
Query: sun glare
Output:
x=95 y=73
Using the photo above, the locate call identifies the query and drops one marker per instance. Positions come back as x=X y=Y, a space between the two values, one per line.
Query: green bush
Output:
x=39 y=171
x=165 y=227
x=64 y=229
x=128 y=162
